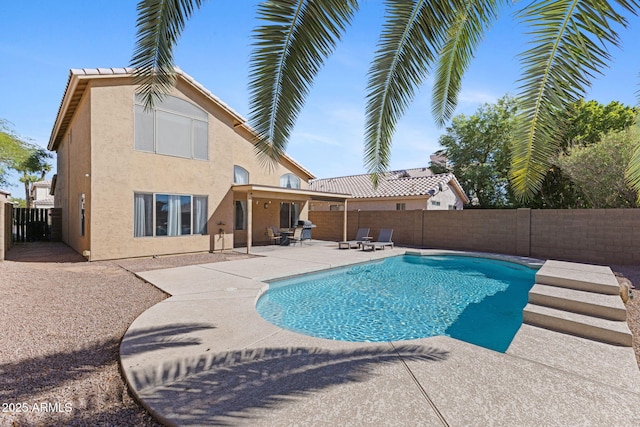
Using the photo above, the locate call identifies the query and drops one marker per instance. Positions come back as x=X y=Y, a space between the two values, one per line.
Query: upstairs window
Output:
x=289 y=180
x=240 y=175
x=174 y=127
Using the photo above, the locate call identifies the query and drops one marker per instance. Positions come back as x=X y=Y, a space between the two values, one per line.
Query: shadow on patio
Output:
x=227 y=388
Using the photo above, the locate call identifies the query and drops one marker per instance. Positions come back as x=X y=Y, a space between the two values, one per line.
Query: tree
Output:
x=588 y=121
x=11 y=148
x=569 y=46
x=33 y=166
x=584 y=123
x=25 y=158
x=598 y=169
x=479 y=148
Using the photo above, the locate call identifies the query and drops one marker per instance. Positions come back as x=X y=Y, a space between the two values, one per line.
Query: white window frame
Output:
x=243 y=170
x=138 y=102
x=192 y=214
x=293 y=179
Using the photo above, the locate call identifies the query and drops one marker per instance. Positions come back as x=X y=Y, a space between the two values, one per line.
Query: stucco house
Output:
x=4 y=197
x=407 y=189
x=41 y=195
x=181 y=178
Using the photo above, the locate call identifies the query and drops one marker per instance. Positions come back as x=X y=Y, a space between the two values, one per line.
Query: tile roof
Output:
x=49 y=200
x=400 y=183
x=45 y=183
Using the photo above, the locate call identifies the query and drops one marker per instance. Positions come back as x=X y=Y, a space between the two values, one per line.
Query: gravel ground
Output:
x=62 y=322
x=631 y=274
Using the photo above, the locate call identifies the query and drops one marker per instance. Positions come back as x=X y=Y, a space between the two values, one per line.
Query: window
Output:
x=401 y=206
x=435 y=203
x=289 y=180
x=81 y=212
x=174 y=127
x=240 y=215
x=169 y=215
x=289 y=214
x=452 y=207
x=240 y=175
x=336 y=207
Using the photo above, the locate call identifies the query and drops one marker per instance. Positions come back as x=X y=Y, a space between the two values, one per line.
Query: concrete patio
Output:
x=205 y=357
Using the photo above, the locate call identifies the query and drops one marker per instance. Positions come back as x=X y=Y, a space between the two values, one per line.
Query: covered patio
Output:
x=268 y=205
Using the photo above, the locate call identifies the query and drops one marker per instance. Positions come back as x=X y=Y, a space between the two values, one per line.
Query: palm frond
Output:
x=463 y=38
x=288 y=51
x=160 y=24
x=410 y=41
x=570 y=46
x=632 y=174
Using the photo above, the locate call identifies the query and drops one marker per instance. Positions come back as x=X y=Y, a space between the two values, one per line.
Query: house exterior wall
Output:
x=447 y=199
x=600 y=236
x=73 y=166
x=99 y=161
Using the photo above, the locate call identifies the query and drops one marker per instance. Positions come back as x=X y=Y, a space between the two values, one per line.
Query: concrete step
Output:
x=603 y=330
x=588 y=303
x=583 y=277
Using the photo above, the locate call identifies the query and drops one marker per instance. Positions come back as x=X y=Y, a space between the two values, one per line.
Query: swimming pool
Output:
x=477 y=300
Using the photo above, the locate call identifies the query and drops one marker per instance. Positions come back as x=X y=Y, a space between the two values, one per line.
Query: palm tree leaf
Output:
x=410 y=41
x=632 y=173
x=160 y=24
x=288 y=51
x=570 y=41
x=463 y=38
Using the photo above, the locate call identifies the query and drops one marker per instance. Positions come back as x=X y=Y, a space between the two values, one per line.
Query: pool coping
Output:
x=208 y=333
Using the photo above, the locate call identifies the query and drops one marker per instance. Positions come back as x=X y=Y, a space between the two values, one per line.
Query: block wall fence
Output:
x=600 y=236
x=6 y=220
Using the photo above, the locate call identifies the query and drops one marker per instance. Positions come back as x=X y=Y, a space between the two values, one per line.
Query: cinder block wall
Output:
x=6 y=233
x=601 y=236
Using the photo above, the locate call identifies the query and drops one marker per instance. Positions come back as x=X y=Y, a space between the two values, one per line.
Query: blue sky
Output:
x=42 y=39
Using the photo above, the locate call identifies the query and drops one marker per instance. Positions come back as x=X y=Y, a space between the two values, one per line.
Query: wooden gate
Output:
x=31 y=225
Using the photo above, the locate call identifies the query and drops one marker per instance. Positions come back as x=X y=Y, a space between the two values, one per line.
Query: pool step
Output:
x=578 y=299
x=595 y=328
x=583 y=277
x=588 y=303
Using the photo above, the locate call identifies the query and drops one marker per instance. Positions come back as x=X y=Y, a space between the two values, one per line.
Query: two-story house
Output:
x=183 y=177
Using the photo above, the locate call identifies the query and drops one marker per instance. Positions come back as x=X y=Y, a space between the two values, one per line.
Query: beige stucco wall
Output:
x=102 y=146
x=73 y=166
x=447 y=197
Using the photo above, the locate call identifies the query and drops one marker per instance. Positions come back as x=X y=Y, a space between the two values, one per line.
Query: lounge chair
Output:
x=357 y=242
x=272 y=236
x=384 y=239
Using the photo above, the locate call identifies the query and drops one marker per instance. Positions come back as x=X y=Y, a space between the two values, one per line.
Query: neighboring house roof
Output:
x=44 y=184
x=401 y=183
x=49 y=200
x=77 y=83
x=6 y=193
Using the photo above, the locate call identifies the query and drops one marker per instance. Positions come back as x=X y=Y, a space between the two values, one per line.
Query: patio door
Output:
x=289 y=214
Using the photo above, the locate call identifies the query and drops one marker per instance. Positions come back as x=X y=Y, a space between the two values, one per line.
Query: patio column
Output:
x=344 y=222
x=249 y=221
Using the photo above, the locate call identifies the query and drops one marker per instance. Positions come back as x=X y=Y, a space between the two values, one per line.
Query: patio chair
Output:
x=357 y=242
x=272 y=236
x=384 y=239
x=297 y=236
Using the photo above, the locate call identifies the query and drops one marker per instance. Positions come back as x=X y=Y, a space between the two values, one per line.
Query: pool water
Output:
x=477 y=300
